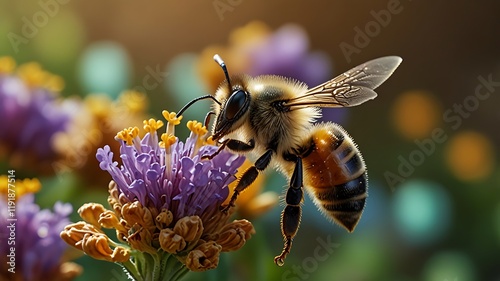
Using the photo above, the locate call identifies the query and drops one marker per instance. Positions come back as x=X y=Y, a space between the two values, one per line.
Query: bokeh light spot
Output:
x=451 y=266
x=183 y=84
x=105 y=68
x=470 y=156
x=49 y=42
x=365 y=258
x=422 y=211
x=6 y=27
x=415 y=114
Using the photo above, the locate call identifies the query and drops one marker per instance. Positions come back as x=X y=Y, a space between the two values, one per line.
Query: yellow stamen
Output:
x=128 y=135
x=167 y=141
x=172 y=121
x=171 y=118
x=199 y=132
x=7 y=65
x=197 y=128
x=151 y=125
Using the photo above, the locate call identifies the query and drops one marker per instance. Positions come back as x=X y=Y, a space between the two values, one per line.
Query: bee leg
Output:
x=222 y=145
x=290 y=218
x=249 y=176
x=207 y=118
x=234 y=145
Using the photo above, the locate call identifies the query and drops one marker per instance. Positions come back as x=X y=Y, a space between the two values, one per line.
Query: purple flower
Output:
x=165 y=199
x=30 y=111
x=30 y=233
x=177 y=180
x=286 y=52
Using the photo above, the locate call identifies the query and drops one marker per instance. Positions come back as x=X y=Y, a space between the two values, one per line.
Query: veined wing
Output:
x=351 y=88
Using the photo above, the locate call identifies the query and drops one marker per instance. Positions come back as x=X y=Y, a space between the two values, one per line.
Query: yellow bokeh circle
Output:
x=415 y=114
x=470 y=156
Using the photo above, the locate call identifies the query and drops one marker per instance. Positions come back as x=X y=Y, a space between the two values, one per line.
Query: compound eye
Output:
x=235 y=103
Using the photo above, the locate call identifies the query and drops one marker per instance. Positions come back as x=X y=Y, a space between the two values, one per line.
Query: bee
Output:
x=274 y=118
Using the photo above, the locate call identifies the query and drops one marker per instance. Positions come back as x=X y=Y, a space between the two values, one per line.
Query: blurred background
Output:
x=429 y=140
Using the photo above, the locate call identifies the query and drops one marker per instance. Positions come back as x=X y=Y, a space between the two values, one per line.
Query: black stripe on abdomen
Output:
x=345 y=202
x=344 y=191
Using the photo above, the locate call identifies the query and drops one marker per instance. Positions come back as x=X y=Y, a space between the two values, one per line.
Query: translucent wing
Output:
x=350 y=88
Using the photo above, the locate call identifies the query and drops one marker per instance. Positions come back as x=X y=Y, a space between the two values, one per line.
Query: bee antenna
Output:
x=195 y=100
x=222 y=64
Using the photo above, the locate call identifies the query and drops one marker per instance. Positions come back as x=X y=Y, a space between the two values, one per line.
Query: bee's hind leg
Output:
x=290 y=218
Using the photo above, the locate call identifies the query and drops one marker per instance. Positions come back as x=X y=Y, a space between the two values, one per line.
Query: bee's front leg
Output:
x=207 y=118
x=234 y=145
x=290 y=218
x=249 y=176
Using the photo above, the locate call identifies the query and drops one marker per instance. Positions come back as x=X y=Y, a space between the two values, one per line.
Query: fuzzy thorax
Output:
x=270 y=125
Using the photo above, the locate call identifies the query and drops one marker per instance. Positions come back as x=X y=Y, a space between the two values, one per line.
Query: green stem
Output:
x=155 y=267
x=141 y=266
x=131 y=269
x=171 y=268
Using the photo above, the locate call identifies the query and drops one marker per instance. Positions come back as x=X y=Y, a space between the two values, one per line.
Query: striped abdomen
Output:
x=335 y=175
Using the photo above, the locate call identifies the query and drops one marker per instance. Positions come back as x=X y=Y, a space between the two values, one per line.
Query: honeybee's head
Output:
x=232 y=103
x=234 y=108
x=232 y=112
